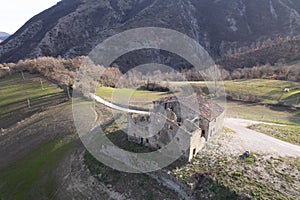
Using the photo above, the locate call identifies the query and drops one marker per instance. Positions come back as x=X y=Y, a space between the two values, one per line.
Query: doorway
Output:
x=203 y=133
x=194 y=151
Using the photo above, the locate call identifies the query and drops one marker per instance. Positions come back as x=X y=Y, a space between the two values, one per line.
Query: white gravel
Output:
x=246 y=139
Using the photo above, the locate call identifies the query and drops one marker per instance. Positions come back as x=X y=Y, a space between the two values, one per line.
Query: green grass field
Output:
x=136 y=98
x=15 y=93
x=270 y=91
x=272 y=114
x=289 y=134
x=31 y=176
x=20 y=180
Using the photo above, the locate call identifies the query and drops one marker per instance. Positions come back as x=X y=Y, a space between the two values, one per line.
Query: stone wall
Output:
x=168 y=180
x=215 y=126
x=159 y=132
x=197 y=143
x=179 y=130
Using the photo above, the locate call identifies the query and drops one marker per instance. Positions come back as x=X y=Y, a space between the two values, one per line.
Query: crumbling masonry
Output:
x=190 y=121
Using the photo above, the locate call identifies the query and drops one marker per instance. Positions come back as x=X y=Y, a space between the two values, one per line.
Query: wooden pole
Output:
x=262 y=114
x=68 y=91
x=23 y=75
x=28 y=103
x=42 y=84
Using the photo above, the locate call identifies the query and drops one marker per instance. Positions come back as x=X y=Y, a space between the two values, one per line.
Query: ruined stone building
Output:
x=177 y=123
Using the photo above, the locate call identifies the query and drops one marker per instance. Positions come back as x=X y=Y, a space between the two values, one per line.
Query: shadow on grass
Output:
x=120 y=139
x=207 y=188
x=17 y=111
x=35 y=100
x=295 y=118
x=293 y=98
x=242 y=103
x=139 y=186
x=132 y=107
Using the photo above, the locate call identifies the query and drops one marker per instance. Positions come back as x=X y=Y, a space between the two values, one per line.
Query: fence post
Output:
x=28 y=103
x=23 y=75
x=42 y=84
x=68 y=91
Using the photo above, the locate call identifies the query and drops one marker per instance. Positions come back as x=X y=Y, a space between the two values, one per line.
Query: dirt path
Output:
x=246 y=139
x=115 y=107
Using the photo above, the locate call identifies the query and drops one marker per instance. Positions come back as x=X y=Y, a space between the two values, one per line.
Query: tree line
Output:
x=63 y=71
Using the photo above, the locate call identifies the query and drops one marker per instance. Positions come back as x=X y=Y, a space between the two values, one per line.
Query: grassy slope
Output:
x=286 y=133
x=273 y=114
x=271 y=91
x=252 y=178
x=19 y=181
x=31 y=177
x=15 y=92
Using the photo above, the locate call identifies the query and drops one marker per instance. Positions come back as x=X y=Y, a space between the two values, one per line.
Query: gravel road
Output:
x=246 y=139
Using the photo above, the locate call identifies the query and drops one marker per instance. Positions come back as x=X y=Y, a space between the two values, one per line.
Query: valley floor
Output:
x=41 y=157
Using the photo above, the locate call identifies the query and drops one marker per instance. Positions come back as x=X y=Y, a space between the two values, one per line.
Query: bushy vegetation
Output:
x=276 y=50
x=280 y=71
x=277 y=72
x=58 y=70
x=154 y=87
x=63 y=71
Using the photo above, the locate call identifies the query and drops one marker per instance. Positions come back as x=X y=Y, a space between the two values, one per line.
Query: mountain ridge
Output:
x=4 y=36
x=74 y=28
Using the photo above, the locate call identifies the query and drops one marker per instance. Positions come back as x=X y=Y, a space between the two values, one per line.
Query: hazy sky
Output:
x=14 y=13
